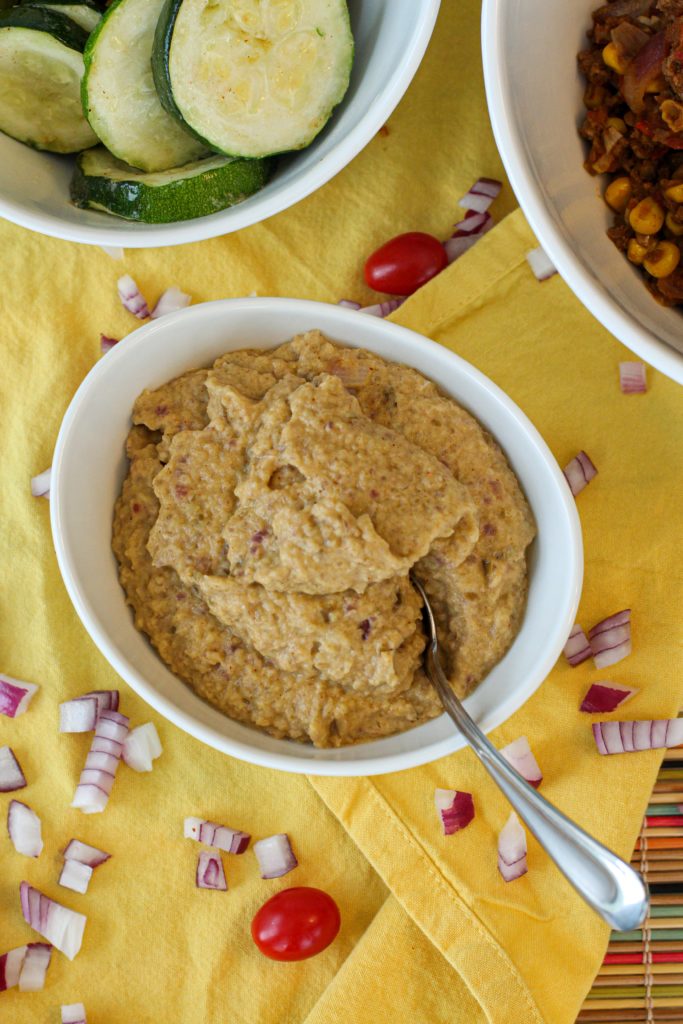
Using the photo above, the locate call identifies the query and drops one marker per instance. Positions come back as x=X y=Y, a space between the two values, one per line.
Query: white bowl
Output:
x=89 y=466
x=391 y=39
x=534 y=92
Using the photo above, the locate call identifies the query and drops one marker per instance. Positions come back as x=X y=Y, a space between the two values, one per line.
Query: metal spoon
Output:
x=607 y=884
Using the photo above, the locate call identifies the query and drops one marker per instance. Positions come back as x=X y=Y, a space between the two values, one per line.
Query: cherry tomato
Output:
x=295 y=924
x=405 y=263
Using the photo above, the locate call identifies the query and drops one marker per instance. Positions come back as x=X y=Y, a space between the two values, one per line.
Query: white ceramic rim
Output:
x=203 y=227
x=268 y=759
x=523 y=180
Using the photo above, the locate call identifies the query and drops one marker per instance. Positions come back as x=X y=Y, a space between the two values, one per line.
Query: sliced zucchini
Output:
x=83 y=13
x=119 y=98
x=253 y=77
x=101 y=182
x=41 y=66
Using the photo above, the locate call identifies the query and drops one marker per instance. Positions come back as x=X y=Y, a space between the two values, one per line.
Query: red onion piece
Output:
x=102 y=745
x=481 y=195
x=382 y=309
x=632 y=378
x=605 y=697
x=131 y=297
x=11 y=775
x=34 y=967
x=95 y=784
x=610 y=639
x=78 y=715
x=512 y=850
x=627 y=737
x=107 y=343
x=223 y=838
x=85 y=854
x=628 y=39
x=113 y=726
x=541 y=264
x=58 y=924
x=40 y=485
x=10 y=967
x=275 y=856
x=15 y=696
x=455 y=809
x=467 y=233
x=577 y=648
x=210 y=873
x=74 y=1013
x=171 y=300
x=349 y=304
x=23 y=826
x=107 y=700
x=579 y=472
x=75 y=876
x=520 y=756
x=142 y=746
x=645 y=67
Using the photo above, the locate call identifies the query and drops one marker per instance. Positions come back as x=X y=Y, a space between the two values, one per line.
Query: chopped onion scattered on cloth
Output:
x=40 y=485
x=131 y=297
x=467 y=233
x=78 y=715
x=210 y=872
x=520 y=756
x=15 y=696
x=96 y=781
x=23 y=826
x=605 y=697
x=541 y=264
x=75 y=875
x=223 y=838
x=107 y=700
x=34 y=967
x=275 y=856
x=169 y=301
x=610 y=639
x=107 y=343
x=579 y=472
x=90 y=855
x=512 y=849
x=58 y=924
x=142 y=746
x=577 y=647
x=481 y=195
x=455 y=809
x=629 y=737
x=11 y=775
x=349 y=304
x=382 y=309
x=632 y=378
x=74 y=1013
x=10 y=967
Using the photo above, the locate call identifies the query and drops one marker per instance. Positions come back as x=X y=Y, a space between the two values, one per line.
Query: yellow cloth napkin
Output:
x=430 y=933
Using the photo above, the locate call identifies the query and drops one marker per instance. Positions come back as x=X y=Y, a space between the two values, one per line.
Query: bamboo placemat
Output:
x=641 y=977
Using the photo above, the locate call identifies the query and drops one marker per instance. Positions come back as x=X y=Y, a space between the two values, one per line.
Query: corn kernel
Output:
x=636 y=252
x=675 y=192
x=613 y=59
x=618 y=193
x=617 y=123
x=663 y=259
x=646 y=217
x=672 y=114
x=674 y=226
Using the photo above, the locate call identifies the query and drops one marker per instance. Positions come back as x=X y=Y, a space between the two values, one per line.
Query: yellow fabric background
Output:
x=430 y=932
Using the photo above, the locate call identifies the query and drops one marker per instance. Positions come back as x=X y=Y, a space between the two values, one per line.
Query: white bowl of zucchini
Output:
x=158 y=122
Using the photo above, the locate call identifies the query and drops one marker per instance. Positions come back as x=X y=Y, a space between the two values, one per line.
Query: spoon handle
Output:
x=609 y=885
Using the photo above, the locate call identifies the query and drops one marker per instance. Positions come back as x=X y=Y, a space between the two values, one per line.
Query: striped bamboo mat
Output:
x=641 y=978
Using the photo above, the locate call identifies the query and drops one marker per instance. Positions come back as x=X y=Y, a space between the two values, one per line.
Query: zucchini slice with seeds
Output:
x=253 y=77
x=101 y=182
x=82 y=12
x=119 y=98
x=41 y=66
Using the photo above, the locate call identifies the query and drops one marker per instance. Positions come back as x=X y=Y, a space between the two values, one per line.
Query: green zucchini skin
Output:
x=80 y=9
x=184 y=197
x=41 y=20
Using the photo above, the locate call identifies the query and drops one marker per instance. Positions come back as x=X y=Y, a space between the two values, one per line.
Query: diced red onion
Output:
x=58 y=924
x=220 y=836
x=605 y=697
x=101 y=762
x=632 y=378
x=78 y=715
x=95 y=784
x=627 y=737
x=171 y=300
x=467 y=233
x=579 y=472
x=10 y=967
x=15 y=696
x=112 y=725
x=275 y=856
x=481 y=195
x=142 y=746
x=610 y=639
x=74 y=1013
x=577 y=648
x=455 y=809
x=34 y=968
x=85 y=854
x=23 y=826
x=382 y=309
x=541 y=264
x=512 y=850
x=115 y=251
x=75 y=876
x=520 y=756
x=107 y=343
x=349 y=304
x=107 y=700
x=131 y=297
x=11 y=775
x=645 y=67
x=102 y=745
x=210 y=873
x=40 y=485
